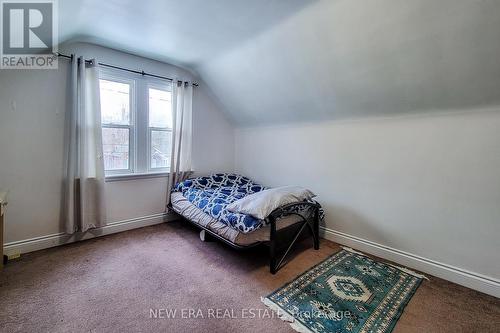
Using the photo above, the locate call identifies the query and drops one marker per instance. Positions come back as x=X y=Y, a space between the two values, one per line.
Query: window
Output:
x=160 y=127
x=136 y=115
x=116 y=125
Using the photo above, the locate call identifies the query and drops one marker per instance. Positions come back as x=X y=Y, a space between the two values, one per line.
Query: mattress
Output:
x=212 y=194
x=185 y=208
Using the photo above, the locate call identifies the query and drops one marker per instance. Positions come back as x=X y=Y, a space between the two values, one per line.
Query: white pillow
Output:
x=262 y=203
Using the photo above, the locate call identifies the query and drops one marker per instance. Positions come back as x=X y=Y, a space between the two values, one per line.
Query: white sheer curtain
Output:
x=84 y=206
x=182 y=109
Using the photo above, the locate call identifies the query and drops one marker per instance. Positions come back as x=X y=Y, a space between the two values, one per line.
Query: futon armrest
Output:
x=303 y=209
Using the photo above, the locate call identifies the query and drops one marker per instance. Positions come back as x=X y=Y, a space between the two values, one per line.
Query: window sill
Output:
x=134 y=176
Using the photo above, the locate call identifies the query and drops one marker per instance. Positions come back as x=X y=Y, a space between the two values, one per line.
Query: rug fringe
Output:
x=403 y=269
x=283 y=315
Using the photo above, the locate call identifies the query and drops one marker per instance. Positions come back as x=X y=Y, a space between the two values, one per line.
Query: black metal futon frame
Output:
x=308 y=213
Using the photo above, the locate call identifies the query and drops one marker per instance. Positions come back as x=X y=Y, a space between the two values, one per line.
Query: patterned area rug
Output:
x=348 y=292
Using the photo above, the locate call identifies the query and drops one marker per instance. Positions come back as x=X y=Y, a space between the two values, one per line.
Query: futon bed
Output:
x=206 y=201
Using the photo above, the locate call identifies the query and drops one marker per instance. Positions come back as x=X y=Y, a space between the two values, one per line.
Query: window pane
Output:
x=115 y=102
x=160 y=108
x=115 y=144
x=161 y=142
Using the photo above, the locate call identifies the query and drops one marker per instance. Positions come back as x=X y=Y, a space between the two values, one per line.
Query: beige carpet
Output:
x=110 y=284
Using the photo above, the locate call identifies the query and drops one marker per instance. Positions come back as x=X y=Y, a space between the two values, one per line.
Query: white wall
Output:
x=426 y=185
x=31 y=145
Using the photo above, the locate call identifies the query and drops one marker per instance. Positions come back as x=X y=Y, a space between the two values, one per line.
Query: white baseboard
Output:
x=457 y=275
x=44 y=242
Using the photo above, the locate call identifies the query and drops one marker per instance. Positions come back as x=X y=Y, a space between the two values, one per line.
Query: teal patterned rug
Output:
x=348 y=292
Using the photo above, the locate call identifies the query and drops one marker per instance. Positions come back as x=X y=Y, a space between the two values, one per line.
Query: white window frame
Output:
x=156 y=84
x=112 y=76
x=139 y=130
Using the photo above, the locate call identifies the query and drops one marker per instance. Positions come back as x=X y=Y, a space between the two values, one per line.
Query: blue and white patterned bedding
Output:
x=212 y=195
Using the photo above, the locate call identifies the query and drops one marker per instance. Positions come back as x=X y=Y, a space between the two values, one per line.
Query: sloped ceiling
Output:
x=291 y=60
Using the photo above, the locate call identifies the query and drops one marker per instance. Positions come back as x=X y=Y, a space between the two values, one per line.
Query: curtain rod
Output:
x=143 y=73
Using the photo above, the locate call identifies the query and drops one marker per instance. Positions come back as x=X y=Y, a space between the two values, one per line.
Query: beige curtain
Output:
x=182 y=105
x=83 y=206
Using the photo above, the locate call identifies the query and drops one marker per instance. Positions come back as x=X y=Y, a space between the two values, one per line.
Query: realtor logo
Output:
x=29 y=34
